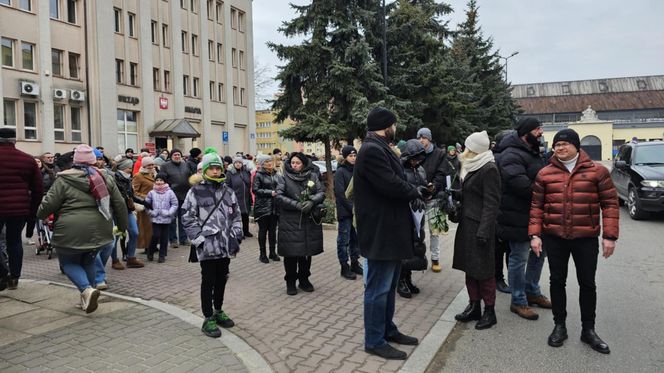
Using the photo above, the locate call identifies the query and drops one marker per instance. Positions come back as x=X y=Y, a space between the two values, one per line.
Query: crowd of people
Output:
x=511 y=202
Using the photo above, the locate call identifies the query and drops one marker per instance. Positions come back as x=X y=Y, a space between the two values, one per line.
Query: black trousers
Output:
x=584 y=251
x=159 y=236
x=297 y=268
x=245 y=223
x=267 y=229
x=502 y=252
x=214 y=274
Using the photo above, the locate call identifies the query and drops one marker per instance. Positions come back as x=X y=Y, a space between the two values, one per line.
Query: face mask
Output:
x=532 y=140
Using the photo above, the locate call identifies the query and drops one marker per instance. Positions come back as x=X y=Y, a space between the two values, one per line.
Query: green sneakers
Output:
x=210 y=328
x=222 y=319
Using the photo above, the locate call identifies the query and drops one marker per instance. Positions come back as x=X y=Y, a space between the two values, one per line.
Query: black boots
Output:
x=290 y=288
x=356 y=267
x=558 y=335
x=596 y=343
x=273 y=255
x=263 y=258
x=472 y=312
x=409 y=282
x=488 y=319
x=403 y=290
x=346 y=272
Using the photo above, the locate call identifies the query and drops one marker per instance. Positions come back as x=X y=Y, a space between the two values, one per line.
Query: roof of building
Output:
x=599 y=102
x=591 y=86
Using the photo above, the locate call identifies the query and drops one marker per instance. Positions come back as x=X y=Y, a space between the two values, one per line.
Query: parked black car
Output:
x=638 y=174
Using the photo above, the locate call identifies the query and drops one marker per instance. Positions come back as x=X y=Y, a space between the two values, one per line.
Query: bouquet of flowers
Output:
x=306 y=192
x=437 y=219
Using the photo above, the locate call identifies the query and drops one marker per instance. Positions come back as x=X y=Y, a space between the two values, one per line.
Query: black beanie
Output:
x=568 y=135
x=176 y=150
x=7 y=133
x=161 y=175
x=195 y=152
x=526 y=125
x=380 y=118
x=348 y=150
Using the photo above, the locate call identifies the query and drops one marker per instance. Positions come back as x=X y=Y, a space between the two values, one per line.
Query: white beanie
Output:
x=478 y=142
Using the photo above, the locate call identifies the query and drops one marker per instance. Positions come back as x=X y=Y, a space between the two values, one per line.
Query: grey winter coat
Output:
x=474 y=243
x=164 y=206
x=240 y=182
x=299 y=234
x=221 y=234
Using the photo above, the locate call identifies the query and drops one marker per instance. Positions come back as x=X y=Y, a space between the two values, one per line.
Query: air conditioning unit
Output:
x=77 y=95
x=29 y=89
x=59 y=94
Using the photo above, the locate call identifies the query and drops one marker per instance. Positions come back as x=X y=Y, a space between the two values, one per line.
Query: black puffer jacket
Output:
x=518 y=164
x=124 y=186
x=341 y=180
x=434 y=165
x=299 y=234
x=240 y=182
x=264 y=184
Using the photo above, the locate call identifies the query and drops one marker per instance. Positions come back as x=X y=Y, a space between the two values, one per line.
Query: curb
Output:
x=423 y=355
x=251 y=359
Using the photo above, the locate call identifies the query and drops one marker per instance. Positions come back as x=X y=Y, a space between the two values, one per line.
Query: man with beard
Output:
x=385 y=231
x=177 y=176
x=519 y=163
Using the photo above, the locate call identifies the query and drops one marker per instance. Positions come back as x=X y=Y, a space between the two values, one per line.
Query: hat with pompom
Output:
x=211 y=158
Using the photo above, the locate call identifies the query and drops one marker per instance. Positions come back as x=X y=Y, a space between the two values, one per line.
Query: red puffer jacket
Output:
x=568 y=205
x=21 y=185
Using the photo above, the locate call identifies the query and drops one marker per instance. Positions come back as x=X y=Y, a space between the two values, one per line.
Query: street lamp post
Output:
x=507 y=58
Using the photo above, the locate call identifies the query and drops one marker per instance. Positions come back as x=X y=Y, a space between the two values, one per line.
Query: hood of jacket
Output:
x=412 y=149
x=307 y=168
x=512 y=140
x=76 y=178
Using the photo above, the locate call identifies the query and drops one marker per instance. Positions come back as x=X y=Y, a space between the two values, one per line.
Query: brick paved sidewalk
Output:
x=320 y=331
x=42 y=330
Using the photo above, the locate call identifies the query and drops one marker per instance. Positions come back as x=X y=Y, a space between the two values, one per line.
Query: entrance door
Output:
x=161 y=143
x=593 y=146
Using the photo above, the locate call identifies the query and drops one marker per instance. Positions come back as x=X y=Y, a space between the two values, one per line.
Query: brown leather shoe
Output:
x=540 y=301
x=132 y=262
x=524 y=311
x=117 y=264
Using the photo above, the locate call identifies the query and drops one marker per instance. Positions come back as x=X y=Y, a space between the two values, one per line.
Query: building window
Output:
x=235 y=96
x=7 y=52
x=154 y=32
x=240 y=21
x=59 y=122
x=27 y=55
x=220 y=92
x=184 y=42
x=56 y=62
x=71 y=11
x=219 y=12
x=25 y=5
x=193 y=6
x=10 y=113
x=76 y=124
x=133 y=73
x=54 y=9
x=30 y=120
x=210 y=9
x=127 y=130
x=119 y=71
x=212 y=91
x=185 y=85
x=118 y=20
x=155 y=79
x=183 y=4
x=167 y=81
x=566 y=89
x=164 y=35
x=194 y=44
x=220 y=53
x=242 y=65
x=243 y=99
x=233 y=18
x=603 y=87
x=132 y=21
x=234 y=57
x=74 y=65
x=211 y=50
x=195 y=90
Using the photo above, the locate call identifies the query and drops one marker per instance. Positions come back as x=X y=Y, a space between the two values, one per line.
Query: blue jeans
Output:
x=132 y=230
x=14 y=226
x=177 y=229
x=379 y=296
x=347 y=241
x=80 y=268
x=524 y=271
x=101 y=260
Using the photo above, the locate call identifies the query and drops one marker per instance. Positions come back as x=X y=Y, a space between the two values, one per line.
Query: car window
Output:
x=651 y=154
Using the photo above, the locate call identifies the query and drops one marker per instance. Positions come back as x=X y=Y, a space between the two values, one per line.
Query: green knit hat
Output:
x=450 y=148
x=211 y=158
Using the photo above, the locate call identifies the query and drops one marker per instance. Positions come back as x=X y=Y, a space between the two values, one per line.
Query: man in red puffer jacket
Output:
x=568 y=195
x=21 y=190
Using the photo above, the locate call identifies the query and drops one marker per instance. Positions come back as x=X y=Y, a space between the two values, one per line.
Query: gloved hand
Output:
x=117 y=232
x=482 y=242
x=418 y=205
x=423 y=191
x=306 y=206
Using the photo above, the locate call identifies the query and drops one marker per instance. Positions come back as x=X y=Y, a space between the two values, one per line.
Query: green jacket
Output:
x=79 y=226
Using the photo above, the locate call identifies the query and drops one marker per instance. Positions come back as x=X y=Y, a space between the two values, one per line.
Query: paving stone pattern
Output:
x=321 y=331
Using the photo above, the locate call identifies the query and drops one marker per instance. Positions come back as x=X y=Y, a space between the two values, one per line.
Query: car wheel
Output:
x=634 y=206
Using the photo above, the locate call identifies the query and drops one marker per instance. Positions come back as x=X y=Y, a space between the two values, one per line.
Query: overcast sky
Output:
x=557 y=40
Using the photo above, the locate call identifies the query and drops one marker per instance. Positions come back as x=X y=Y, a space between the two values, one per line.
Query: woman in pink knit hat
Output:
x=142 y=183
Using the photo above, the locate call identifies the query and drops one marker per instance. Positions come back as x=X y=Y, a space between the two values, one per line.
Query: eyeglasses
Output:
x=561 y=144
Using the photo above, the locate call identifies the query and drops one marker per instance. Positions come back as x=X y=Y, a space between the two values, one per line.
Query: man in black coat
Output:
x=519 y=163
x=346 y=235
x=434 y=166
x=384 y=229
x=177 y=173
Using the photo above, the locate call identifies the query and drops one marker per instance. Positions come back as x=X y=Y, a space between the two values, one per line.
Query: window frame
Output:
x=124 y=132
x=60 y=54
x=5 y=104
x=167 y=81
x=119 y=71
x=212 y=86
x=219 y=12
x=220 y=92
x=156 y=79
x=184 y=38
x=35 y=127
x=12 y=47
x=195 y=87
x=59 y=108
x=33 y=48
x=75 y=11
x=131 y=25
x=233 y=57
x=194 y=44
x=133 y=74
x=234 y=18
x=185 y=85
x=241 y=60
x=211 y=52
x=20 y=5
x=77 y=58
x=51 y=8
x=154 y=32
x=117 y=22
x=164 y=35
x=220 y=53
x=235 y=95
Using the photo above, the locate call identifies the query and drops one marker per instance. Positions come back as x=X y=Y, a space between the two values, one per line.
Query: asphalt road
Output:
x=630 y=318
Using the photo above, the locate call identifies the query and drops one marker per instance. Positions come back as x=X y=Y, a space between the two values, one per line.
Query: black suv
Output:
x=638 y=174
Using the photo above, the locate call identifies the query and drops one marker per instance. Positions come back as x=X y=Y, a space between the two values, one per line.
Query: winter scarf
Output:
x=571 y=163
x=98 y=189
x=430 y=149
x=469 y=165
x=161 y=189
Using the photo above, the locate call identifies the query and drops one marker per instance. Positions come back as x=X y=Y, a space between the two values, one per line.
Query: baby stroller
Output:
x=44 y=234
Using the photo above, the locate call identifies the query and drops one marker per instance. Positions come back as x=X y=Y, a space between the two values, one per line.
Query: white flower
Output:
x=310 y=184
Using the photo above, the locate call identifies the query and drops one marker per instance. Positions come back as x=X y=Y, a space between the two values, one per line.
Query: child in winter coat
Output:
x=213 y=223
x=164 y=206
